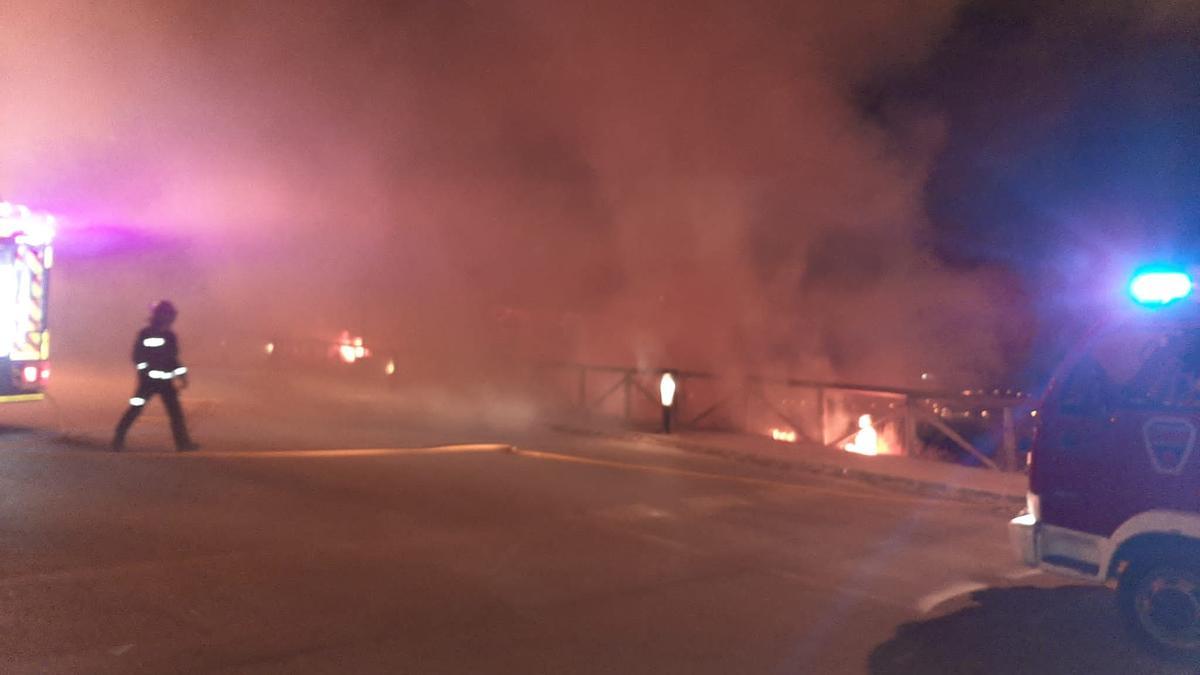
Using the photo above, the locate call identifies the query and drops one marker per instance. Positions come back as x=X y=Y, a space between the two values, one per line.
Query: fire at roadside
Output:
x=345 y=354
x=990 y=428
x=980 y=427
x=972 y=427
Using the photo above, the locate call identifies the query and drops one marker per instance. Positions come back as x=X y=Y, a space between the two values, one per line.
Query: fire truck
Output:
x=1114 y=477
x=26 y=256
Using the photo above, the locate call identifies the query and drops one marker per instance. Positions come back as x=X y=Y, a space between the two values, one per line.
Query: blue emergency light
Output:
x=1158 y=287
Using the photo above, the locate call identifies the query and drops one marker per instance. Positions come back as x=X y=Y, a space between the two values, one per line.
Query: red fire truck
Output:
x=1114 y=489
x=26 y=256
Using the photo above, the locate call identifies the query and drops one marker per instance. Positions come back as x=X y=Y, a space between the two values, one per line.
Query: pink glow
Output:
x=28 y=226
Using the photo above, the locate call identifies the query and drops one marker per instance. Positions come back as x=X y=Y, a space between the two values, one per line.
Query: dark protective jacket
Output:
x=156 y=354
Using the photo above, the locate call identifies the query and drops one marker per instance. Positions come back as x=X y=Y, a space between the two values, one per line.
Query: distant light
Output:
x=1160 y=287
x=351 y=349
x=1033 y=413
x=45 y=373
x=925 y=376
x=270 y=348
x=666 y=389
x=31 y=374
x=785 y=435
x=390 y=368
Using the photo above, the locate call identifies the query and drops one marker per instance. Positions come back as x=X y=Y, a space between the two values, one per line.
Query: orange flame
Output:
x=867 y=440
x=350 y=349
x=785 y=435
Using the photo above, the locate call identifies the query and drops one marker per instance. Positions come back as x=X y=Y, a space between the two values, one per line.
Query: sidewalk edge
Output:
x=883 y=479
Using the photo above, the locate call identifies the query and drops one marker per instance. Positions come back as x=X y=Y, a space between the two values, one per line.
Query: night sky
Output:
x=1073 y=146
x=865 y=190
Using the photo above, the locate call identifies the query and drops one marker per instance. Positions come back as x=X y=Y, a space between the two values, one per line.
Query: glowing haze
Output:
x=689 y=184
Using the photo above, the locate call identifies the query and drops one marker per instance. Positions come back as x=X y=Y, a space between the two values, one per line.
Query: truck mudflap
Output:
x=1022 y=534
x=1056 y=549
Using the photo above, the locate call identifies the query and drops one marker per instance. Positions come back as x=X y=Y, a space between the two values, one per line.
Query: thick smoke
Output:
x=690 y=184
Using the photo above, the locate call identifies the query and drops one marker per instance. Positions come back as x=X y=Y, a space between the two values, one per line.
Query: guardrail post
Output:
x=628 y=396
x=911 y=439
x=583 y=388
x=745 y=396
x=680 y=394
x=821 y=415
x=1008 y=445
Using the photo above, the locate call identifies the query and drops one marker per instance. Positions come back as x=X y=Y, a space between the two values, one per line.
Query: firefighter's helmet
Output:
x=163 y=310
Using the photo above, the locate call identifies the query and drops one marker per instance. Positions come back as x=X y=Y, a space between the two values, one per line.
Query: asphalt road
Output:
x=570 y=554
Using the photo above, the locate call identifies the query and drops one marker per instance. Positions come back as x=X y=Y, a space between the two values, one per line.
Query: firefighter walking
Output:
x=156 y=358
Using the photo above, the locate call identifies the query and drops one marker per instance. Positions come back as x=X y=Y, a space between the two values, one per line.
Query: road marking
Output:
x=927 y=603
x=337 y=452
x=688 y=473
x=865 y=492
x=634 y=512
x=665 y=542
x=1022 y=573
x=815 y=583
x=137 y=568
x=711 y=504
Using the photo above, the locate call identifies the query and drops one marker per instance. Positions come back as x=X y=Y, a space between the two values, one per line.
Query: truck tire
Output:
x=1159 y=600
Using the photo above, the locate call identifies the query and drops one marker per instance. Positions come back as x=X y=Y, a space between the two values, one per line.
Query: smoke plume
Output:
x=685 y=184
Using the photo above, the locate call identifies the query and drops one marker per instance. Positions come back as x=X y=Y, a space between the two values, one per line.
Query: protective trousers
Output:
x=146 y=390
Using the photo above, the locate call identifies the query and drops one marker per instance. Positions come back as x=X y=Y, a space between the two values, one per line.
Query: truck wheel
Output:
x=1160 y=603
